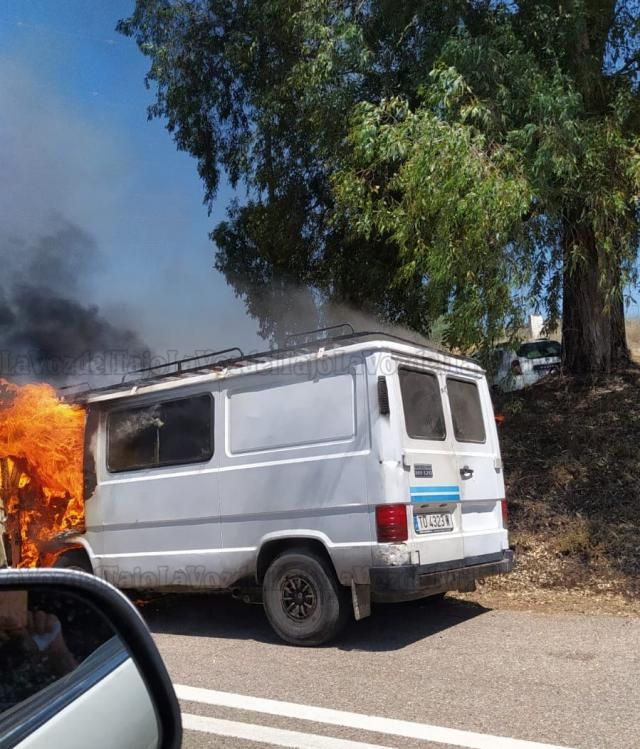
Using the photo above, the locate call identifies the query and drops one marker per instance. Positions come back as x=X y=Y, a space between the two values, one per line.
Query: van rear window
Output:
x=422 y=405
x=169 y=433
x=466 y=411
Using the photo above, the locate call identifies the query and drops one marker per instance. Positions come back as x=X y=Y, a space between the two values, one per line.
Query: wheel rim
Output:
x=299 y=598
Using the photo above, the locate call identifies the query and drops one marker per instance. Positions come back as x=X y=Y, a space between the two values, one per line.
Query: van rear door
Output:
x=479 y=469
x=431 y=469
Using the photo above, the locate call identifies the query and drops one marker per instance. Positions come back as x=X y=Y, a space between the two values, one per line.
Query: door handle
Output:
x=466 y=472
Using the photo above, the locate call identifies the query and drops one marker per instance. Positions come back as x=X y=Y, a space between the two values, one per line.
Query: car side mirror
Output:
x=79 y=668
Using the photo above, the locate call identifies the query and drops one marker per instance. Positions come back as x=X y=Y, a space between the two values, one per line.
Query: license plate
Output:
x=431 y=522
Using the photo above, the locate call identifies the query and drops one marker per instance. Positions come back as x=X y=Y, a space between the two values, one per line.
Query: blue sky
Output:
x=76 y=144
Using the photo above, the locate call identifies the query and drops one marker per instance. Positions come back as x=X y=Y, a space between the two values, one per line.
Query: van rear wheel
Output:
x=303 y=600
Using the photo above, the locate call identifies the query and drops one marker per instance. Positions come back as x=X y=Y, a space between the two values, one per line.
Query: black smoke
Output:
x=48 y=328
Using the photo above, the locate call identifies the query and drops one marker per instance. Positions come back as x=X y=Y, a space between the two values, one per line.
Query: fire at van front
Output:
x=41 y=442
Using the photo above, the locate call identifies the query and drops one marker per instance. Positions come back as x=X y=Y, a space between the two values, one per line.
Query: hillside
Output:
x=571 y=452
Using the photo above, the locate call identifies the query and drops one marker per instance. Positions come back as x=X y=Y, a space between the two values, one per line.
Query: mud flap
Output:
x=361 y=599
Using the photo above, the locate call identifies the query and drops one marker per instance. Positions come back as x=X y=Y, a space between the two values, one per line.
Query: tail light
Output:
x=391 y=523
x=516 y=369
x=505 y=513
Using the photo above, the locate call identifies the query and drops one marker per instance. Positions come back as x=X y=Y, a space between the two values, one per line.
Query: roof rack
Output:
x=311 y=338
x=306 y=335
x=179 y=364
x=80 y=386
x=311 y=345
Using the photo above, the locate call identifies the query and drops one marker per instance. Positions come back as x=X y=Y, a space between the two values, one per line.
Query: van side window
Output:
x=169 y=433
x=466 y=411
x=422 y=405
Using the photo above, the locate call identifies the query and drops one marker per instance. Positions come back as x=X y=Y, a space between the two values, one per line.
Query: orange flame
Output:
x=41 y=442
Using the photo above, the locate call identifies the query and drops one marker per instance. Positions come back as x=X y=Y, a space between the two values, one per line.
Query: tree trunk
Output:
x=593 y=331
x=620 y=355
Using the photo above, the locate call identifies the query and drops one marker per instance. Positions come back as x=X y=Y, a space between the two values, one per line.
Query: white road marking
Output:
x=268 y=734
x=390 y=726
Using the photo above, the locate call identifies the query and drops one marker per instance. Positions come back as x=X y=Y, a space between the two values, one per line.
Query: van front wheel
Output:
x=303 y=601
x=75 y=559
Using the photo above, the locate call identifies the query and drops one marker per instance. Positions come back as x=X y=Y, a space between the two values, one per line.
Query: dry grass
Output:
x=572 y=467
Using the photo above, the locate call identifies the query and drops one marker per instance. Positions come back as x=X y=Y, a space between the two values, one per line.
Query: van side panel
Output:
x=156 y=527
x=294 y=464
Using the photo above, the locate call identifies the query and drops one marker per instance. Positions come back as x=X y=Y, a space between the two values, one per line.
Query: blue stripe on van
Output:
x=435 y=498
x=434 y=493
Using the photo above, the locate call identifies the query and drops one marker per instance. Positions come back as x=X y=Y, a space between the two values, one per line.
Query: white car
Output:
x=511 y=370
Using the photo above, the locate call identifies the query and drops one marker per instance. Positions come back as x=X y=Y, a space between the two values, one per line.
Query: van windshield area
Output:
x=423 y=414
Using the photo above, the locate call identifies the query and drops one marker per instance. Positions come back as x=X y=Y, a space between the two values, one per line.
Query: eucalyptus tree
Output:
x=462 y=161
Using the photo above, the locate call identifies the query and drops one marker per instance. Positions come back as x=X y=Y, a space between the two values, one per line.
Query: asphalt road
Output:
x=561 y=680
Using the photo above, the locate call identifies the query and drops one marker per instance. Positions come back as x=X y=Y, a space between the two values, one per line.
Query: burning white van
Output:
x=340 y=470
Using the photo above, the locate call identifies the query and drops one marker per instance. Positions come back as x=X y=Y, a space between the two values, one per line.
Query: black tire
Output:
x=75 y=559
x=323 y=606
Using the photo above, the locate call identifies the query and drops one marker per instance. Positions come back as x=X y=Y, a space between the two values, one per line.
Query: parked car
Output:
x=315 y=479
x=79 y=667
x=511 y=370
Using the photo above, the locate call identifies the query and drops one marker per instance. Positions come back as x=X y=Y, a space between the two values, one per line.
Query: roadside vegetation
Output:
x=572 y=470
x=572 y=467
